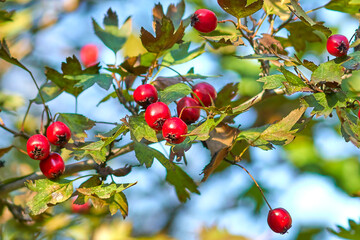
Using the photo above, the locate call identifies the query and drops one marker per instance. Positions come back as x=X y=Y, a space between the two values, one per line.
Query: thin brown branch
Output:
x=16 y=134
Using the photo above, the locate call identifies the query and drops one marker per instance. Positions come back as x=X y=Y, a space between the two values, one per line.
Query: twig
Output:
x=16 y=134
x=257 y=185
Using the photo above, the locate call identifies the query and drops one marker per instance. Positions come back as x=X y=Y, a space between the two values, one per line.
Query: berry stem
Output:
x=201 y=107
x=257 y=185
x=228 y=20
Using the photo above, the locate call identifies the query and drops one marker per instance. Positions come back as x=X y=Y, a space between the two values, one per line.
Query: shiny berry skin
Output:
x=146 y=94
x=58 y=133
x=205 y=92
x=38 y=147
x=174 y=129
x=204 y=20
x=53 y=166
x=359 y=113
x=89 y=54
x=279 y=220
x=156 y=114
x=188 y=115
x=80 y=208
x=337 y=45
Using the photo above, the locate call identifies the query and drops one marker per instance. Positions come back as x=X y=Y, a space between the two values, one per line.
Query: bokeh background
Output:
x=313 y=177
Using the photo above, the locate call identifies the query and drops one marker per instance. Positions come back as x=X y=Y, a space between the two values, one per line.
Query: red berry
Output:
x=279 y=220
x=145 y=95
x=58 y=133
x=204 y=20
x=89 y=55
x=38 y=147
x=188 y=115
x=53 y=166
x=205 y=92
x=359 y=113
x=174 y=129
x=156 y=114
x=80 y=208
x=337 y=45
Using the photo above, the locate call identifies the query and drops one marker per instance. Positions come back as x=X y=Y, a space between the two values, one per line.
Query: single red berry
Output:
x=145 y=95
x=89 y=55
x=38 y=147
x=80 y=208
x=188 y=115
x=204 y=20
x=156 y=114
x=279 y=220
x=53 y=166
x=174 y=130
x=58 y=133
x=359 y=113
x=205 y=92
x=337 y=45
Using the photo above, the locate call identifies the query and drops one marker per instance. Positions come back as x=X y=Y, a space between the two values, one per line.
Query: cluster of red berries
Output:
x=158 y=115
x=38 y=148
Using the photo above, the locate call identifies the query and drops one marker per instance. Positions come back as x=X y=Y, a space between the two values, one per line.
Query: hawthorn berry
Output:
x=58 y=133
x=337 y=45
x=188 y=115
x=156 y=114
x=80 y=208
x=146 y=94
x=53 y=166
x=204 y=20
x=38 y=147
x=89 y=54
x=279 y=220
x=174 y=130
x=205 y=92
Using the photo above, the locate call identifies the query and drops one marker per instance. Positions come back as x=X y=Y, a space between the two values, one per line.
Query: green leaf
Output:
x=266 y=57
x=277 y=7
x=87 y=80
x=175 y=13
x=352 y=233
x=118 y=202
x=350 y=126
x=140 y=129
x=294 y=83
x=165 y=36
x=113 y=37
x=108 y=97
x=77 y=124
x=49 y=193
x=273 y=81
x=352 y=63
x=346 y=6
x=6 y=16
x=105 y=191
x=324 y=104
x=301 y=14
x=280 y=133
x=5 y=55
x=3 y=151
x=182 y=54
x=202 y=132
x=11 y=102
x=328 y=73
x=141 y=153
x=174 y=92
x=219 y=38
x=240 y=8
x=184 y=185
x=71 y=67
x=49 y=91
x=300 y=33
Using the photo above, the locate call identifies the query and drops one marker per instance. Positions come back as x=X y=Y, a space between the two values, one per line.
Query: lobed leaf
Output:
x=49 y=193
x=240 y=8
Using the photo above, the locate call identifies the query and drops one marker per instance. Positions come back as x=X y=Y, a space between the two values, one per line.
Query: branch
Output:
x=266 y=93
x=69 y=170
